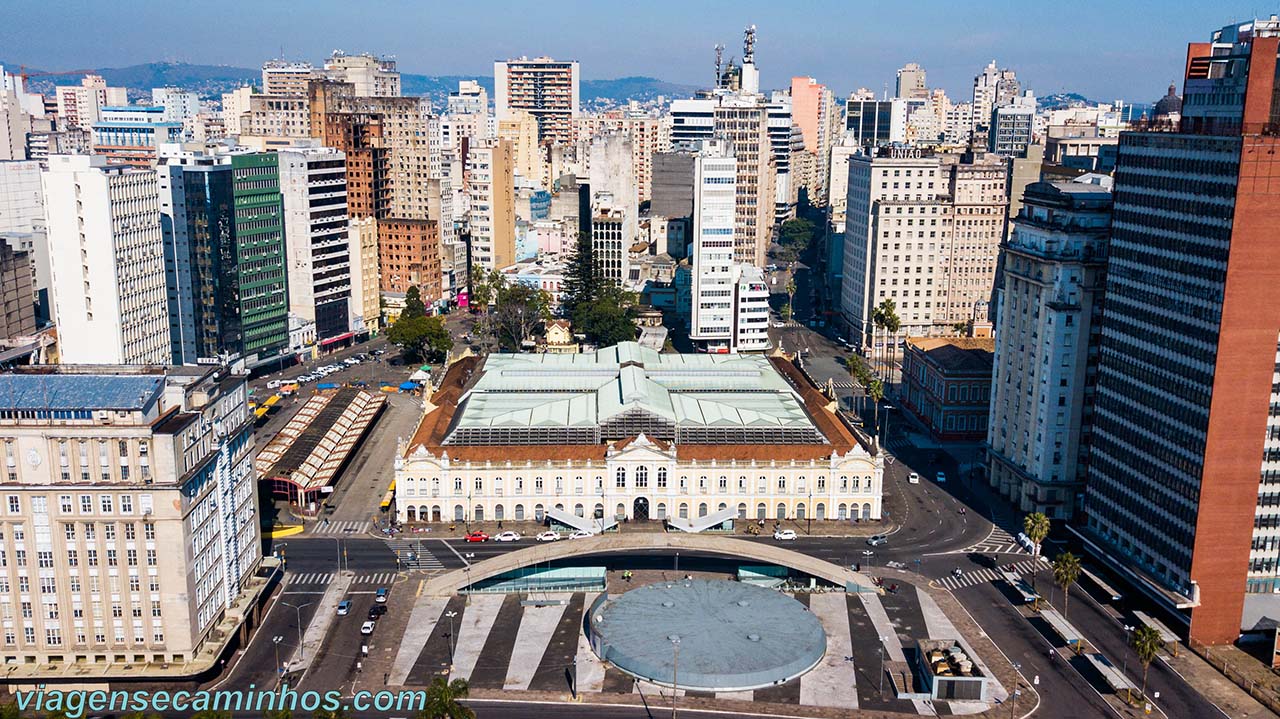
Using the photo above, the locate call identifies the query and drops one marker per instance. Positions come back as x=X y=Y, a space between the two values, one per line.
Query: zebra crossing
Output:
x=843 y=384
x=347 y=527
x=981 y=576
x=997 y=541
x=323 y=578
x=415 y=555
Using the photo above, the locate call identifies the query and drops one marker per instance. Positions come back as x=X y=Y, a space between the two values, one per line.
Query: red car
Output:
x=477 y=537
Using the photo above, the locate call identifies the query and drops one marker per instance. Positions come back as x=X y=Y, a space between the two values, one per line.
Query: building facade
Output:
x=650 y=457
x=131 y=135
x=543 y=87
x=130 y=513
x=1048 y=323
x=1182 y=492
x=313 y=187
x=106 y=253
x=490 y=183
x=948 y=385
x=79 y=105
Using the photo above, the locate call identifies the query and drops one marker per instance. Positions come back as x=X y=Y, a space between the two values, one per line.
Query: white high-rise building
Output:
x=179 y=105
x=729 y=300
x=469 y=99
x=79 y=105
x=991 y=88
x=1046 y=351
x=372 y=76
x=106 y=253
x=313 y=184
x=21 y=196
x=911 y=82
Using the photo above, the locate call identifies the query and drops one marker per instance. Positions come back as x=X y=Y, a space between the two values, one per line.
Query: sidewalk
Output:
x=528 y=529
x=1210 y=681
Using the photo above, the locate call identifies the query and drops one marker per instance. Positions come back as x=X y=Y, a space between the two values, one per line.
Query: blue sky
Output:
x=1105 y=49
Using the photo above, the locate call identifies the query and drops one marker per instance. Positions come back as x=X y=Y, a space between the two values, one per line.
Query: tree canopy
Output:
x=596 y=305
x=421 y=337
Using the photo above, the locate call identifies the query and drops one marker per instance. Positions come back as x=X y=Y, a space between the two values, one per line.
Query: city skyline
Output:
x=953 y=44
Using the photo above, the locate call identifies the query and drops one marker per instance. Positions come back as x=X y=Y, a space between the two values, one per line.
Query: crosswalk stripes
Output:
x=843 y=384
x=997 y=541
x=347 y=527
x=323 y=578
x=414 y=554
x=980 y=576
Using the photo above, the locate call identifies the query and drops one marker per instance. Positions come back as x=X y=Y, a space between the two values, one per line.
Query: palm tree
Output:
x=1066 y=570
x=791 y=292
x=443 y=700
x=875 y=390
x=1036 y=527
x=1146 y=644
x=878 y=322
x=891 y=325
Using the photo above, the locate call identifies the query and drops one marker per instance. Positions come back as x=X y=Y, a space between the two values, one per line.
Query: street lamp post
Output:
x=881 y=647
x=1125 y=666
x=302 y=652
x=1013 y=703
x=452 y=641
x=808 y=512
x=275 y=641
x=675 y=671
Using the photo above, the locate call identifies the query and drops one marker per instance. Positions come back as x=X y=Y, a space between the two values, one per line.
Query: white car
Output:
x=580 y=534
x=507 y=536
x=913 y=478
x=367 y=628
x=784 y=535
x=547 y=537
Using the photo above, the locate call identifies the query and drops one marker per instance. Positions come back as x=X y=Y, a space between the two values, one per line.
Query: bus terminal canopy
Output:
x=698 y=524
x=595 y=526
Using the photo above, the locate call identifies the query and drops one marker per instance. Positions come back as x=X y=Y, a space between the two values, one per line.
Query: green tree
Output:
x=444 y=700
x=520 y=309
x=1147 y=645
x=791 y=291
x=482 y=290
x=1066 y=570
x=785 y=311
x=1036 y=527
x=582 y=282
x=875 y=390
x=413 y=306
x=885 y=318
x=607 y=320
x=421 y=337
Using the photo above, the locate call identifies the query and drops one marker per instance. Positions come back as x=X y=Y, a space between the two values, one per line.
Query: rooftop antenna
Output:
x=719 y=62
x=749 y=45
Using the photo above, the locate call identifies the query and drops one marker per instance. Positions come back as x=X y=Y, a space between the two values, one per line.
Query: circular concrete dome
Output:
x=731 y=636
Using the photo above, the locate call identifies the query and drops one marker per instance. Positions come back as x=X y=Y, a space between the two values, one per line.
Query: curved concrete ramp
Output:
x=451 y=582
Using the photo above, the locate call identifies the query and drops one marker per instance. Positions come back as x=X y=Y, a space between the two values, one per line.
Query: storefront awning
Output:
x=698 y=524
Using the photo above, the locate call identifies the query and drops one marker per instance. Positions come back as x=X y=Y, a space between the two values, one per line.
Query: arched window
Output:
x=424 y=513
x=782 y=511
x=724 y=483
x=437 y=513
x=599 y=511
x=642 y=477
x=519 y=512
x=539 y=513
x=723 y=506
x=459 y=513
x=478 y=515
x=820 y=511
x=579 y=510
x=800 y=510
x=662 y=477
x=702 y=509
x=761 y=511
x=621 y=510
x=742 y=510
x=842 y=512
x=684 y=510
x=620 y=478
x=866 y=511
x=662 y=506
x=410 y=514
x=498 y=513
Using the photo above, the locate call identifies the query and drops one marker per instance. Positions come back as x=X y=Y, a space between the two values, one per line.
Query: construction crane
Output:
x=22 y=73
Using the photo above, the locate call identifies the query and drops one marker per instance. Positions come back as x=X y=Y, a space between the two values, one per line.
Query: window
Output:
x=15 y=504
x=86 y=504
x=620 y=478
x=642 y=477
x=662 y=477
x=104 y=502
x=126 y=504
x=148 y=530
x=65 y=505
x=69 y=531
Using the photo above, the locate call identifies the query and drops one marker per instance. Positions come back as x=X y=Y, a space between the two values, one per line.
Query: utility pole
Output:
x=275 y=641
x=452 y=644
x=675 y=671
x=881 y=648
x=302 y=652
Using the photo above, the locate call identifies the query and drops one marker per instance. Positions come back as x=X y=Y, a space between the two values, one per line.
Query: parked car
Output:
x=580 y=534
x=476 y=536
x=507 y=536
x=380 y=596
x=367 y=628
x=942 y=477
x=377 y=610
x=877 y=540
x=547 y=537
x=784 y=535
x=344 y=607
x=913 y=478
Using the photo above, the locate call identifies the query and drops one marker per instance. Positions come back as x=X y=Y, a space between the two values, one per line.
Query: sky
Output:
x=1103 y=49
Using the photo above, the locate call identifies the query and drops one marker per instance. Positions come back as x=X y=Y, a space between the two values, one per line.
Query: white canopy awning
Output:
x=595 y=526
x=697 y=524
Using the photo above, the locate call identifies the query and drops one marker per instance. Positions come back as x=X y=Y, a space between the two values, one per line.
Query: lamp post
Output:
x=275 y=641
x=675 y=671
x=452 y=641
x=881 y=647
x=302 y=652
x=1125 y=666
x=808 y=511
x=1013 y=703
x=884 y=427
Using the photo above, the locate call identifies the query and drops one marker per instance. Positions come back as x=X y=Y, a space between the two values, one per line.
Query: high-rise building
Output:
x=106 y=251
x=284 y=77
x=17 y=292
x=21 y=196
x=869 y=121
x=362 y=247
x=1182 y=494
x=136 y=492
x=224 y=251
x=275 y=117
x=409 y=256
x=469 y=99
x=545 y=88
x=911 y=83
x=784 y=142
x=846 y=147
x=745 y=123
x=1013 y=126
x=490 y=182
x=812 y=111
x=923 y=230
x=521 y=130
x=313 y=185
x=1048 y=321
x=179 y=105
x=234 y=105
x=610 y=238
x=132 y=134
x=370 y=75
x=79 y=105
x=649 y=136
x=991 y=88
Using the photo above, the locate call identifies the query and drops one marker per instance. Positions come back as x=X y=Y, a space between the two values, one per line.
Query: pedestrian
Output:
x=499 y=525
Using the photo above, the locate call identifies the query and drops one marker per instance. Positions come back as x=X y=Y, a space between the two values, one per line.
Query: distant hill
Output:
x=1062 y=100
x=213 y=80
